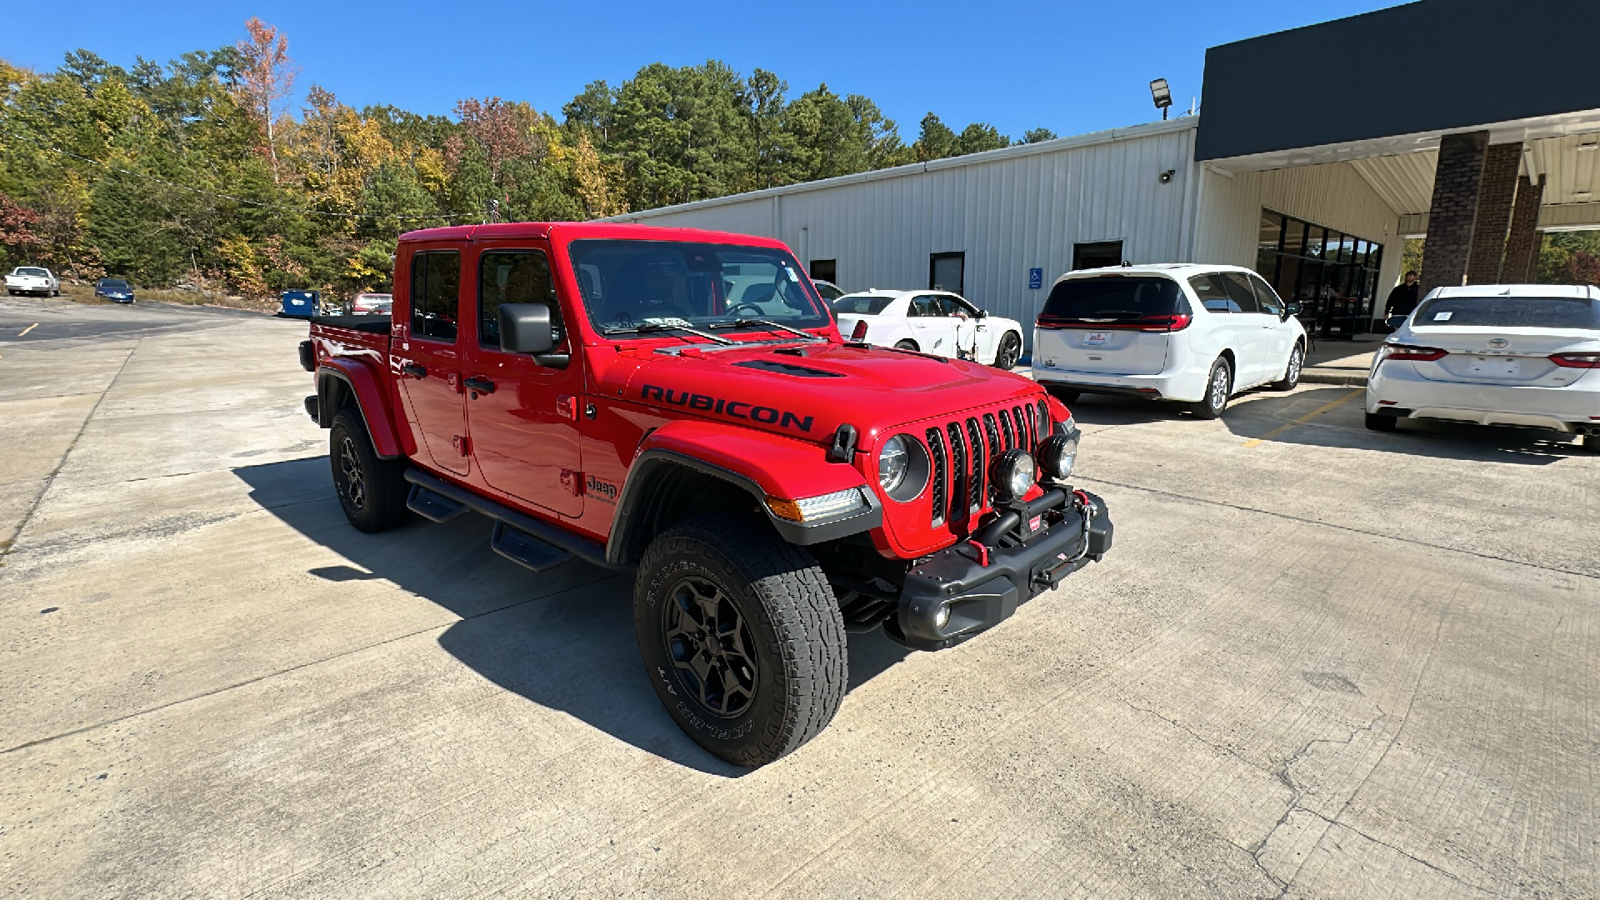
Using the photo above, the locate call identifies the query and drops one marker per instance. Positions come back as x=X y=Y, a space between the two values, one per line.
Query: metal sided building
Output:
x=1315 y=190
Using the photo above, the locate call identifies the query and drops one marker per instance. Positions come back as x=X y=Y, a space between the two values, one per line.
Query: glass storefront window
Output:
x=1333 y=275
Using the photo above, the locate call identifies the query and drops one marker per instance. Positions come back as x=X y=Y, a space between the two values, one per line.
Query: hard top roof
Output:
x=579 y=230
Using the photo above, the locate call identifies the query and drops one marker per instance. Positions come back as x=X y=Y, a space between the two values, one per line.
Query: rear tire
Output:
x=1590 y=442
x=741 y=637
x=1219 y=387
x=1009 y=351
x=1376 y=422
x=372 y=491
x=1064 y=395
x=1291 y=373
x=906 y=345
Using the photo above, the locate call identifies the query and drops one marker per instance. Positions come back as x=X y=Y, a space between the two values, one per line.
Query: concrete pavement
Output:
x=1321 y=662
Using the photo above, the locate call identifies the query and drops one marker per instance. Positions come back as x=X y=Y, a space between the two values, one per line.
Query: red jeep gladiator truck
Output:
x=680 y=404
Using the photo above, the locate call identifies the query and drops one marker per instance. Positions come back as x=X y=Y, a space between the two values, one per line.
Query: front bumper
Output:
x=976 y=589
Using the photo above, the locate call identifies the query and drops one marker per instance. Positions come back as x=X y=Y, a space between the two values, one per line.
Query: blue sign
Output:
x=1035 y=279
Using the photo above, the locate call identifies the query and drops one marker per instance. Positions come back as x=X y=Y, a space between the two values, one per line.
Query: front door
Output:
x=934 y=331
x=429 y=356
x=523 y=416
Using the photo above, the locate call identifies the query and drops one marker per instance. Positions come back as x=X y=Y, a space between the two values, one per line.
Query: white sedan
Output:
x=32 y=280
x=934 y=322
x=1494 y=355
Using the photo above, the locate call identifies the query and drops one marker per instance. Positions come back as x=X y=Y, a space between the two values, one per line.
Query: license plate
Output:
x=1095 y=339
x=1496 y=368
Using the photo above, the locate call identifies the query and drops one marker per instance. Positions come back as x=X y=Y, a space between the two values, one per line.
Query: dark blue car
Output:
x=114 y=289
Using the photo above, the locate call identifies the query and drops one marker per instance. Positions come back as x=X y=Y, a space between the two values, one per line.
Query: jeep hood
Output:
x=804 y=390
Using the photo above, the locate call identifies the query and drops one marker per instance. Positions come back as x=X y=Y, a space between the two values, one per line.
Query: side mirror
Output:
x=1291 y=309
x=525 y=328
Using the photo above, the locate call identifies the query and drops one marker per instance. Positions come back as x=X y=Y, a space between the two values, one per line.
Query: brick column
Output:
x=1454 y=211
x=1499 y=186
x=1522 y=246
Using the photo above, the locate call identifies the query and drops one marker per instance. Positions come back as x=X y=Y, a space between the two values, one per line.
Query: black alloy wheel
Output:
x=710 y=646
x=1009 y=352
x=372 y=491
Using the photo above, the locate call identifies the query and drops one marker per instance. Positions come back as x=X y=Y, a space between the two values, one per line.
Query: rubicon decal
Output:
x=725 y=407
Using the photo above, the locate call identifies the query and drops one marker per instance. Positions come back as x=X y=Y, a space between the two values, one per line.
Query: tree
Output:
x=16 y=232
x=266 y=76
x=936 y=141
x=978 y=137
x=1036 y=135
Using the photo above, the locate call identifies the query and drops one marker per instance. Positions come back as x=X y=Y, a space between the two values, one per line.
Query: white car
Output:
x=1196 y=334
x=934 y=322
x=32 y=280
x=827 y=290
x=1494 y=355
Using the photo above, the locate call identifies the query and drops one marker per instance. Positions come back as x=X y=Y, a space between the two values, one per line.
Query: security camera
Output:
x=1166 y=177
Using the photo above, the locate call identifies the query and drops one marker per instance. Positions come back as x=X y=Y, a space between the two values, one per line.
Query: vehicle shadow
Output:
x=1271 y=417
x=562 y=639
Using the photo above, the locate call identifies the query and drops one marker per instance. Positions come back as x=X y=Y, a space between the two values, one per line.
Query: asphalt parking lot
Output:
x=1321 y=662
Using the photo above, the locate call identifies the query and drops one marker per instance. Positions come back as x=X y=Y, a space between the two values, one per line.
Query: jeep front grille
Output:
x=962 y=450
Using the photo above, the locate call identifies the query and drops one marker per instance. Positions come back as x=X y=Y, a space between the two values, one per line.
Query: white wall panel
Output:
x=1008 y=211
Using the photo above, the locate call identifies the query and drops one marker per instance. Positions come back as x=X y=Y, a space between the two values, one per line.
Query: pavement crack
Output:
x=8 y=547
x=1192 y=733
x=1346 y=528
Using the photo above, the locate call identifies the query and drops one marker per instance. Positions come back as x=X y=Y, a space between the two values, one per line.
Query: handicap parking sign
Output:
x=1035 y=279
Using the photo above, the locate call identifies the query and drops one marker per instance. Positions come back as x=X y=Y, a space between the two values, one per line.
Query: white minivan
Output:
x=1195 y=334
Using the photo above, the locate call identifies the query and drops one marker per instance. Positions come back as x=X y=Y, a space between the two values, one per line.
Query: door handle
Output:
x=478 y=383
x=414 y=370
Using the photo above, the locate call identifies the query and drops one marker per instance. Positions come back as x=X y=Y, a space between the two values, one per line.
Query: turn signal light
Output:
x=1408 y=351
x=860 y=332
x=1577 y=360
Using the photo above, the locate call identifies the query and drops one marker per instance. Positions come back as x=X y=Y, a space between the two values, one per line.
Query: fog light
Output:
x=1057 y=454
x=941 y=618
x=1013 y=474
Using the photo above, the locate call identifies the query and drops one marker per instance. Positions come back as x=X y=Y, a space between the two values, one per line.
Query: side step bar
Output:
x=517 y=536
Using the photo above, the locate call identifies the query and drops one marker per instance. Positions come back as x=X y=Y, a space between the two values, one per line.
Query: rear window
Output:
x=1511 y=312
x=860 y=304
x=1112 y=298
x=36 y=273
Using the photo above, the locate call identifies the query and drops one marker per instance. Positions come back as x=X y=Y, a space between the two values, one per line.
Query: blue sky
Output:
x=1069 y=66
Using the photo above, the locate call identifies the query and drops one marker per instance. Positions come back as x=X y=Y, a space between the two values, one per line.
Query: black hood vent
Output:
x=783 y=368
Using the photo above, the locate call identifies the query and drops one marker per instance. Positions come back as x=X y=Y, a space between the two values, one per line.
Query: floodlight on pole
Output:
x=1162 y=95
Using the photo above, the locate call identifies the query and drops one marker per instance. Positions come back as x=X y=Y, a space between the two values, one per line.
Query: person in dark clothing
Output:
x=1403 y=299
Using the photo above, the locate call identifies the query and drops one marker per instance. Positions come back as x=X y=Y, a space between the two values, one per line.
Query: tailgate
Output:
x=1111 y=351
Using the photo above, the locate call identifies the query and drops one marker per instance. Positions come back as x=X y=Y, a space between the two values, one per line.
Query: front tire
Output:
x=1009 y=351
x=1291 y=373
x=1219 y=387
x=906 y=345
x=741 y=637
x=1376 y=422
x=371 y=490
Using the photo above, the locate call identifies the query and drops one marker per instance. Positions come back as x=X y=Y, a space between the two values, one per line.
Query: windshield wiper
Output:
x=745 y=323
x=648 y=327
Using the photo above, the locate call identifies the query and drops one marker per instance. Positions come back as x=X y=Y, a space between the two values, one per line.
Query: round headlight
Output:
x=893 y=460
x=1013 y=474
x=1056 y=454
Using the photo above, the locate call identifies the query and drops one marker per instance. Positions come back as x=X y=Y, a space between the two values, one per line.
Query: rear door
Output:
x=1110 y=324
x=427 y=356
x=523 y=416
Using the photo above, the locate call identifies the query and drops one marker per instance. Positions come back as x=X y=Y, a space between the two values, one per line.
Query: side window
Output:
x=1213 y=293
x=1240 y=292
x=513 y=276
x=1266 y=296
x=923 y=306
x=435 y=291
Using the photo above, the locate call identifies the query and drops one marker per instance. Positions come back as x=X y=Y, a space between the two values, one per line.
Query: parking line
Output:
x=1305 y=418
x=28 y=329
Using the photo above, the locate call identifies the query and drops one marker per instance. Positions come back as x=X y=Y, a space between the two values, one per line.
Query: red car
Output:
x=372 y=304
x=771 y=486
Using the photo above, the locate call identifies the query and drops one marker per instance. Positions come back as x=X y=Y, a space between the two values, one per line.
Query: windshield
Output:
x=629 y=284
x=37 y=273
x=113 y=284
x=861 y=304
x=1510 y=312
x=1112 y=298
